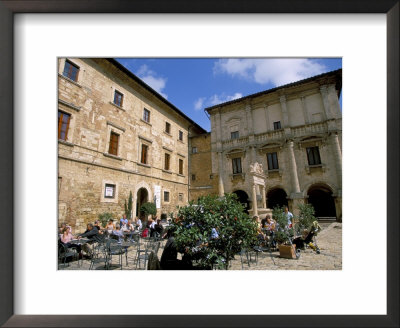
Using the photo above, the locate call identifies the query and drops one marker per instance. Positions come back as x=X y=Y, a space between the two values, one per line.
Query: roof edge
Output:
x=151 y=90
x=292 y=84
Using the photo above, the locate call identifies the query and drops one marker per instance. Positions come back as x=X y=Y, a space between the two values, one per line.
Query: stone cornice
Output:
x=70 y=105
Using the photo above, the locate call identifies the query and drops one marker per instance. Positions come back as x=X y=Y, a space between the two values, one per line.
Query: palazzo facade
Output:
x=281 y=146
x=117 y=135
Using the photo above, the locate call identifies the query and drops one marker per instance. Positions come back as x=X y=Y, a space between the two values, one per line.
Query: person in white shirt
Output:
x=289 y=216
x=138 y=223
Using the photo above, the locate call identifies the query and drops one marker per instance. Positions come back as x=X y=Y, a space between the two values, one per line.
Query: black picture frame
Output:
x=7 y=11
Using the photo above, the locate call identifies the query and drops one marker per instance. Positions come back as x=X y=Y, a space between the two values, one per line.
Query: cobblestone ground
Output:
x=329 y=241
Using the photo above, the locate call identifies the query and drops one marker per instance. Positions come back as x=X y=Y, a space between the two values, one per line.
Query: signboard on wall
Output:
x=157 y=196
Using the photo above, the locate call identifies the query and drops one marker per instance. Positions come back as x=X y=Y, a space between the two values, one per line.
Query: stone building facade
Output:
x=202 y=181
x=116 y=135
x=281 y=146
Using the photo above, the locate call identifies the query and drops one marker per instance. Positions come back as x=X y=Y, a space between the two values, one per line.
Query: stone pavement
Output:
x=329 y=241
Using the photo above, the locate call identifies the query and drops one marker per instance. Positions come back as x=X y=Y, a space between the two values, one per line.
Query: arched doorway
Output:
x=320 y=197
x=276 y=197
x=244 y=199
x=142 y=197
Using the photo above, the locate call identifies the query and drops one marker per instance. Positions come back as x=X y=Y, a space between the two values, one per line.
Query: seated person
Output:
x=159 y=228
x=98 y=226
x=66 y=239
x=138 y=223
x=270 y=227
x=124 y=227
x=130 y=226
x=110 y=227
x=307 y=238
x=269 y=224
x=169 y=257
x=117 y=232
x=93 y=235
x=62 y=227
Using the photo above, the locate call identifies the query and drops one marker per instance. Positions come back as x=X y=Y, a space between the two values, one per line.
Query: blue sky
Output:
x=193 y=84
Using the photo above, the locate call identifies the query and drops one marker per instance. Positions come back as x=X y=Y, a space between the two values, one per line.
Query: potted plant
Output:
x=283 y=234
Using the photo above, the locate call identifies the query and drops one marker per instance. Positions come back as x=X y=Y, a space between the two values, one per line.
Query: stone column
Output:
x=254 y=196
x=305 y=111
x=249 y=119
x=220 y=175
x=285 y=115
x=293 y=169
x=264 y=199
x=338 y=156
x=334 y=101
x=325 y=101
x=267 y=117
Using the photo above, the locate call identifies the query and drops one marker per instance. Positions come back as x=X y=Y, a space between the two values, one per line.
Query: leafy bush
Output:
x=306 y=216
x=148 y=209
x=283 y=232
x=194 y=225
x=105 y=217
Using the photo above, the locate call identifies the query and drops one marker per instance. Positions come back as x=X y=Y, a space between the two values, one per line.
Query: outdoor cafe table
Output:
x=81 y=241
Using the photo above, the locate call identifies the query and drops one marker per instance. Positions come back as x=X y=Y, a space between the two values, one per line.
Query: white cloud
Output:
x=198 y=104
x=150 y=77
x=218 y=99
x=215 y=100
x=275 y=71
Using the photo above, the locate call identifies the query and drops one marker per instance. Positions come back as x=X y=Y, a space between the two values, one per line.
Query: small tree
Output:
x=306 y=216
x=105 y=217
x=148 y=209
x=283 y=232
x=193 y=230
x=128 y=207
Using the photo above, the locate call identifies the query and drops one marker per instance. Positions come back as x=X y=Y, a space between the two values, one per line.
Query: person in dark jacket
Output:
x=169 y=257
x=93 y=235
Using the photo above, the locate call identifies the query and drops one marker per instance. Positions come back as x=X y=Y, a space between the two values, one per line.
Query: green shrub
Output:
x=148 y=209
x=105 y=217
x=283 y=232
x=193 y=229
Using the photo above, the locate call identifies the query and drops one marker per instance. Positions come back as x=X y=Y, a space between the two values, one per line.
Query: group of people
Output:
x=267 y=227
x=96 y=233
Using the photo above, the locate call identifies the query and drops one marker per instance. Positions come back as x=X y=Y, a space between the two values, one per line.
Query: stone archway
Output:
x=276 y=197
x=243 y=198
x=142 y=197
x=320 y=197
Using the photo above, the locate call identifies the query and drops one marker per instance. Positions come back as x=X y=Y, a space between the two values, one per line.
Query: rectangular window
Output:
x=146 y=115
x=109 y=191
x=71 y=71
x=166 y=196
x=181 y=197
x=181 y=166
x=143 y=157
x=235 y=135
x=313 y=156
x=166 y=162
x=167 y=127
x=193 y=177
x=272 y=161
x=63 y=125
x=113 y=148
x=277 y=125
x=180 y=135
x=118 y=98
x=211 y=176
x=237 y=165
x=194 y=150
